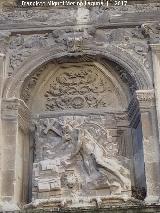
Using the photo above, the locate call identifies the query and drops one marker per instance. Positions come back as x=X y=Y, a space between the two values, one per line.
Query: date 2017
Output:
x=120 y=3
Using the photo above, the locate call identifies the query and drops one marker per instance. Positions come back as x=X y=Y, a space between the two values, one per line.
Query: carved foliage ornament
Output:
x=131 y=41
x=22 y=46
x=81 y=87
x=31 y=83
x=152 y=31
x=74 y=44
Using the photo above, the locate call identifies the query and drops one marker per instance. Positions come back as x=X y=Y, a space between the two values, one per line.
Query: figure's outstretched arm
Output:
x=77 y=142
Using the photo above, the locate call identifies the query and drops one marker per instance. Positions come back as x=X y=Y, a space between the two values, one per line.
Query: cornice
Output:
x=20 y=19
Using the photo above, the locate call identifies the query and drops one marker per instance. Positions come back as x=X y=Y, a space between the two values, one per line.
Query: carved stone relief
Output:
x=97 y=15
x=22 y=46
x=85 y=159
x=21 y=16
x=125 y=77
x=80 y=87
x=146 y=98
x=77 y=39
x=78 y=157
x=152 y=31
x=15 y=109
x=31 y=83
x=4 y=41
x=32 y=80
x=131 y=41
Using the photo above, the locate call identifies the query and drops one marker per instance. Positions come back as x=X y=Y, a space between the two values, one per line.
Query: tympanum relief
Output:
x=77 y=161
x=76 y=86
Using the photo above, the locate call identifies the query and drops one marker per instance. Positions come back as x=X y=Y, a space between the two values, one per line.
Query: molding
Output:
x=112 y=53
x=142 y=100
x=146 y=98
x=15 y=109
x=155 y=47
x=18 y=19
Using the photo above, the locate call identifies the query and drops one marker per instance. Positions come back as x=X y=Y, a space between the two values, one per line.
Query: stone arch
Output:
x=138 y=75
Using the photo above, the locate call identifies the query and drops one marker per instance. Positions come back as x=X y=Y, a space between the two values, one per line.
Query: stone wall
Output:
x=97 y=64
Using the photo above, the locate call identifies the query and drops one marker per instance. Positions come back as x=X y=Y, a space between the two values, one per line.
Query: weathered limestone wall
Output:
x=119 y=41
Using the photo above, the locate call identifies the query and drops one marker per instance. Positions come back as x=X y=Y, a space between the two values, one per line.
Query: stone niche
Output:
x=81 y=136
x=82 y=151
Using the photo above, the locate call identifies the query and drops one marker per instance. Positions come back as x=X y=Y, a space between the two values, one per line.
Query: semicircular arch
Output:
x=140 y=77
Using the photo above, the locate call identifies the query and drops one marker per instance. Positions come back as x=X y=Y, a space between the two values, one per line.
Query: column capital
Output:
x=142 y=100
x=146 y=98
x=155 y=47
x=15 y=109
x=2 y=55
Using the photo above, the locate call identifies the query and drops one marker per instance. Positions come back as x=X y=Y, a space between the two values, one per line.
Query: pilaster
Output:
x=14 y=118
x=145 y=101
x=156 y=73
x=2 y=77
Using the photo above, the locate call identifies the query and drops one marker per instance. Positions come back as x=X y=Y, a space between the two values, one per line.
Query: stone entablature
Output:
x=130 y=41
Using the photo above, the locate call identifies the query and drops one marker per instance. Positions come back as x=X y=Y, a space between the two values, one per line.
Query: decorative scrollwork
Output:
x=80 y=88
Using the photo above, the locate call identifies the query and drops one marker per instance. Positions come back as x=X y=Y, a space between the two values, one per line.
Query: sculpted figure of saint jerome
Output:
x=94 y=155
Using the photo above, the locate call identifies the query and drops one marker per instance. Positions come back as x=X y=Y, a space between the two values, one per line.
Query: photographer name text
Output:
x=81 y=3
